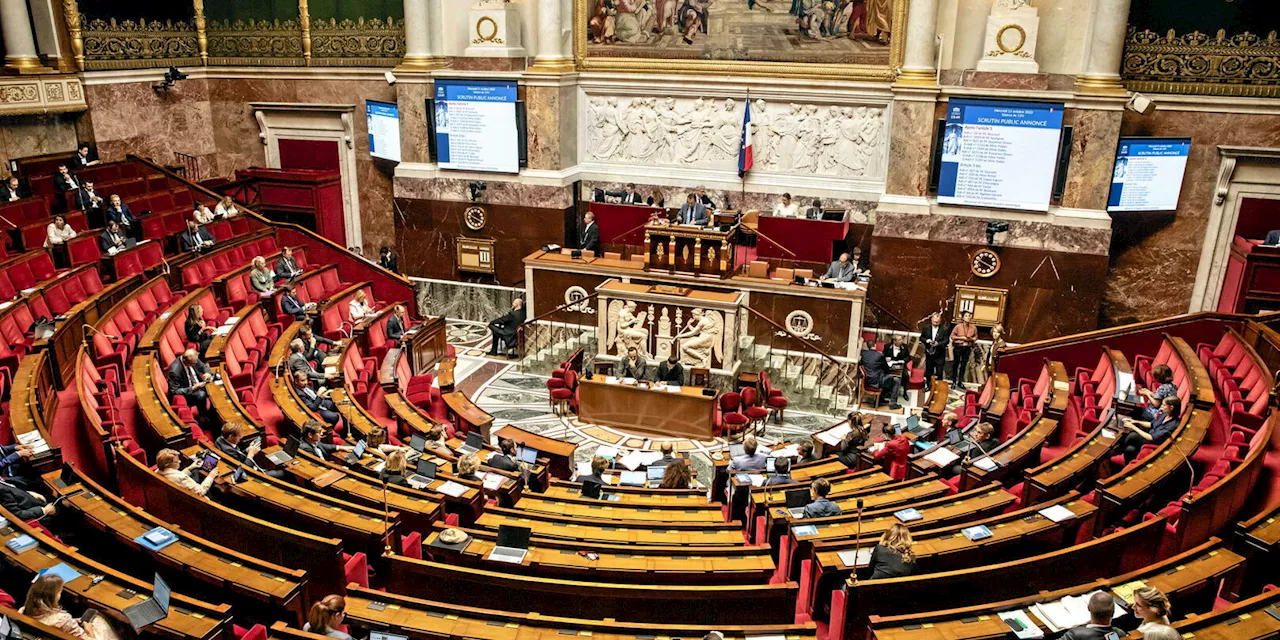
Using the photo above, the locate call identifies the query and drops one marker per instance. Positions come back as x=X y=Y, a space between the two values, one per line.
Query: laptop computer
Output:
x=151 y=611
x=796 y=501
x=655 y=473
x=954 y=436
x=473 y=443
x=512 y=545
x=354 y=456
x=417 y=442
x=67 y=477
x=736 y=450
x=527 y=454
x=291 y=446
x=379 y=635
x=426 y=472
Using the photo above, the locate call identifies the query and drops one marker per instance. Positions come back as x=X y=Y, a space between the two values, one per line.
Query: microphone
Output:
x=280 y=364
x=347 y=334
x=857 y=541
x=89 y=328
x=8 y=222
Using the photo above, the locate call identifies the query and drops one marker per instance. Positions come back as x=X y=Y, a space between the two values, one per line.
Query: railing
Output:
x=812 y=378
x=540 y=332
x=878 y=312
x=190 y=166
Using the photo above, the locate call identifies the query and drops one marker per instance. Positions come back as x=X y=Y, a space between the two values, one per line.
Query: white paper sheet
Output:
x=942 y=456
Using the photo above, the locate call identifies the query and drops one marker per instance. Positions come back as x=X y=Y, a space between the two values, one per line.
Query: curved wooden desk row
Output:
x=1077 y=464
x=630 y=496
x=33 y=401
x=222 y=572
x=422 y=619
x=1258 y=539
x=597 y=510
x=1190 y=580
x=1137 y=480
x=31 y=628
x=628 y=564
x=890 y=496
x=723 y=481
x=188 y=619
x=555 y=526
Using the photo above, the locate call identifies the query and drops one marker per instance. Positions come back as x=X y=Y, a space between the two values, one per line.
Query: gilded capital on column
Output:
x=202 y=36
x=71 y=13
x=304 y=19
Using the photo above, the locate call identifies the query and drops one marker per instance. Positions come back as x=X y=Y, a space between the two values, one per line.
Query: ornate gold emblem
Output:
x=483 y=24
x=1022 y=38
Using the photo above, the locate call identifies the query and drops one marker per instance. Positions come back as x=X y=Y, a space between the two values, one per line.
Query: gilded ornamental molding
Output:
x=1195 y=63
x=27 y=95
x=356 y=42
x=126 y=44
x=252 y=43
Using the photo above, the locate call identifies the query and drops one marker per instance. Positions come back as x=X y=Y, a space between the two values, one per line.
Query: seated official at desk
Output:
x=1154 y=432
x=397 y=324
x=291 y=304
x=786 y=208
x=852 y=443
x=467 y=466
x=704 y=199
x=781 y=472
x=842 y=270
x=436 y=440
x=299 y=363
x=13 y=465
x=311 y=344
x=896 y=353
x=188 y=376
x=378 y=444
x=875 y=368
x=633 y=366
x=821 y=507
x=197 y=330
x=591 y=484
x=393 y=472
x=668 y=455
x=229 y=444
x=359 y=307
x=814 y=210
x=11 y=190
x=505 y=460
x=693 y=212
x=167 y=462
x=503 y=329
x=671 y=371
x=1102 y=606
x=120 y=212
x=676 y=476
x=58 y=232
x=656 y=199
x=806 y=452
x=628 y=195
x=892 y=556
x=1165 y=387
x=262 y=279
x=195 y=239
x=27 y=505
x=287 y=266
x=980 y=442
x=589 y=234
x=314 y=400
x=326 y=616
x=113 y=240
x=313 y=434
x=749 y=460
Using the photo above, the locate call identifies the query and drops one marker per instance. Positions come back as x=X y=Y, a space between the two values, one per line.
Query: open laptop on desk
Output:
x=914 y=426
x=473 y=443
x=796 y=501
x=426 y=472
x=512 y=545
x=655 y=474
x=151 y=611
x=417 y=442
x=354 y=456
x=528 y=455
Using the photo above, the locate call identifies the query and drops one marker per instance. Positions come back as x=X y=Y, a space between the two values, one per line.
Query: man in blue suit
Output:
x=693 y=212
x=120 y=212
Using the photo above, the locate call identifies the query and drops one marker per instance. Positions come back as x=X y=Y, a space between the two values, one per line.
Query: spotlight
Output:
x=1139 y=103
x=994 y=227
x=171 y=77
x=390 y=77
x=476 y=189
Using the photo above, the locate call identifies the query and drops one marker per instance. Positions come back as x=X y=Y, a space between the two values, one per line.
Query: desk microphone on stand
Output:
x=857 y=542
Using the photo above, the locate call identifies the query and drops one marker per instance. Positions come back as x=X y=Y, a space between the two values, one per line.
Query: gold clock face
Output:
x=985 y=263
x=474 y=218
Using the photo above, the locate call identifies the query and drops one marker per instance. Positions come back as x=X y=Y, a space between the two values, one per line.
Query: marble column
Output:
x=918 y=65
x=19 y=43
x=421 y=35
x=551 y=56
x=1106 y=49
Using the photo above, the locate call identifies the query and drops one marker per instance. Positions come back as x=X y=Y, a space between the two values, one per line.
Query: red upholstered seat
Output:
x=752 y=407
x=731 y=420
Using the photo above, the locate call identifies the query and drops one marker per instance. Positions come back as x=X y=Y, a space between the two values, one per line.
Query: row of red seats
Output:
x=202 y=271
x=1240 y=381
x=25 y=211
x=117 y=333
x=101 y=173
x=335 y=320
x=312 y=287
x=25 y=272
x=33 y=234
x=247 y=347
x=133 y=190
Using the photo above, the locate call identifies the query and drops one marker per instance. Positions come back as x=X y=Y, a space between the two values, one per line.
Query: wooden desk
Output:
x=32 y=628
x=1000 y=392
x=423 y=619
x=683 y=414
x=630 y=496
x=1138 y=479
x=427 y=345
x=1057 y=476
x=167 y=429
x=492 y=585
x=689 y=249
x=1012 y=455
x=645 y=533
x=800 y=239
x=627 y=564
x=1258 y=539
x=1244 y=620
x=596 y=510
x=559 y=453
x=188 y=619
x=266 y=588
x=468 y=414
x=33 y=400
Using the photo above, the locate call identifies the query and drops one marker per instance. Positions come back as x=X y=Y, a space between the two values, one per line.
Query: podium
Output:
x=689 y=250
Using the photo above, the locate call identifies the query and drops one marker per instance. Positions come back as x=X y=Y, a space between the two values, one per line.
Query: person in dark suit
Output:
x=704 y=199
x=633 y=366
x=876 y=369
x=228 y=443
x=589 y=235
x=113 y=238
x=979 y=442
x=852 y=443
x=668 y=455
x=387 y=260
x=591 y=484
x=841 y=270
x=628 y=195
x=196 y=238
x=1102 y=606
x=806 y=452
x=325 y=407
x=896 y=352
x=312 y=435
x=311 y=343
x=298 y=362
x=12 y=190
x=892 y=556
x=671 y=371
x=83 y=159
x=23 y=504
x=88 y=200
x=504 y=329
x=64 y=181
x=397 y=324
x=506 y=460
x=934 y=336
x=188 y=377
x=13 y=465
x=287 y=266
x=197 y=329
x=821 y=507
x=120 y=212
x=290 y=304
x=693 y=212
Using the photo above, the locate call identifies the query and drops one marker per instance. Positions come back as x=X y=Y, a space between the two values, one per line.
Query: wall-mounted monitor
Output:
x=1147 y=175
x=475 y=125
x=1000 y=154
x=383 y=123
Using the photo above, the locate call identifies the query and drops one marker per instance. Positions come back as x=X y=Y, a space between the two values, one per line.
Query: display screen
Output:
x=475 y=125
x=1147 y=175
x=383 y=120
x=999 y=154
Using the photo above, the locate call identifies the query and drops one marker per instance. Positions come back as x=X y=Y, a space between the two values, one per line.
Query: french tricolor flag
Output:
x=744 y=154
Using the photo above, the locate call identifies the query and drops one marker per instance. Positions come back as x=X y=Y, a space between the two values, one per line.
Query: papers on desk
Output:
x=611 y=380
x=757 y=480
x=607 y=453
x=1070 y=611
x=855 y=557
x=789 y=451
x=452 y=489
x=21 y=543
x=804 y=530
x=976 y=533
x=1021 y=624
x=942 y=456
x=1125 y=591
x=30 y=437
x=493 y=481
x=1057 y=513
x=223 y=330
x=61 y=570
x=1124 y=383
x=635 y=459
x=584 y=469
x=986 y=463
x=628 y=381
x=1108 y=434
x=672 y=388
x=907 y=515
x=832 y=437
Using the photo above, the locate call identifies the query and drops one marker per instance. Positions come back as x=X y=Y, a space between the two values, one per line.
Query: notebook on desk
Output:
x=512 y=545
x=426 y=472
x=153 y=610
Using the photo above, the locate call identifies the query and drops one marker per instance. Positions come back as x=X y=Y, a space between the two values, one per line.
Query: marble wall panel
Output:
x=1093 y=150
x=1154 y=257
x=973 y=230
x=543 y=117
x=25 y=136
x=412 y=100
x=498 y=192
x=133 y=118
x=910 y=142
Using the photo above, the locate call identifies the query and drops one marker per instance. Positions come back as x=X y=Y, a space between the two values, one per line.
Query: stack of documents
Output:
x=33 y=438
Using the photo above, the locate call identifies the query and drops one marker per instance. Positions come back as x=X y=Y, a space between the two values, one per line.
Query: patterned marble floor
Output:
x=512 y=397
